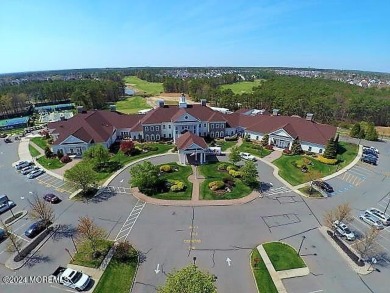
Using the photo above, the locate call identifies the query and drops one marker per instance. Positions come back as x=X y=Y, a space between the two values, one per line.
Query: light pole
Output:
x=300 y=246
x=194 y=259
x=387 y=202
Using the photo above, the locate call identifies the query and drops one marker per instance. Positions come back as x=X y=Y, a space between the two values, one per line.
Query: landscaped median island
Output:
x=284 y=262
x=222 y=182
x=297 y=169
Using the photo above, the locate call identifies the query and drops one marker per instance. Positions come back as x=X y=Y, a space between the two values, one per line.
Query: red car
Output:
x=52 y=198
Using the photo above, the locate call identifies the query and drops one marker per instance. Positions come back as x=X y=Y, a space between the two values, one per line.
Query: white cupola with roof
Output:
x=182 y=101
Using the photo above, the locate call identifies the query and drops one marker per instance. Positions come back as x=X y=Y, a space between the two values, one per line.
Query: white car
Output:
x=35 y=173
x=343 y=230
x=247 y=156
x=371 y=220
x=384 y=218
x=22 y=164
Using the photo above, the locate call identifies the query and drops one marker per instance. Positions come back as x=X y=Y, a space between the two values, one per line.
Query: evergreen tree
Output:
x=234 y=156
x=362 y=133
x=331 y=149
x=264 y=140
x=355 y=130
x=296 y=148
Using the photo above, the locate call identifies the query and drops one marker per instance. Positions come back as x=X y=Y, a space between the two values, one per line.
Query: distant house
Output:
x=167 y=122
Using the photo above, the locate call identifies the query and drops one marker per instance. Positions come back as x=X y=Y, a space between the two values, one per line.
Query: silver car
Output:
x=384 y=218
x=343 y=230
x=371 y=220
x=35 y=173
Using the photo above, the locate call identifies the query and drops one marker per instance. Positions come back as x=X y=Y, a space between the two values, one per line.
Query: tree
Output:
x=98 y=153
x=368 y=247
x=296 y=148
x=145 y=177
x=15 y=243
x=48 y=152
x=234 y=156
x=342 y=213
x=249 y=174
x=312 y=175
x=124 y=251
x=82 y=175
x=189 y=279
x=264 y=140
x=355 y=130
x=362 y=133
x=330 y=149
x=41 y=210
x=126 y=146
x=88 y=231
x=371 y=133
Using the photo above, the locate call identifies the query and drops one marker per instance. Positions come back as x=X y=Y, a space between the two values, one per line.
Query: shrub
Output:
x=327 y=161
x=48 y=152
x=228 y=180
x=177 y=185
x=126 y=146
x=50 y=140
x=124 y=251
x=165 y=168
x=222 y=166
x=269 y=147
x=60 y=154
x=135 y=151
x=215 y=185
x=175 y=148
x=231 y=167
x=286 y=152
x=256 y=146
x=231 y=138
x=235 y=173
x=65 y=159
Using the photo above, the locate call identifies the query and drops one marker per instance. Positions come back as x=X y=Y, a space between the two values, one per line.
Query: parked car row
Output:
x=375 y=218
x=370 y=155
x=29 y=169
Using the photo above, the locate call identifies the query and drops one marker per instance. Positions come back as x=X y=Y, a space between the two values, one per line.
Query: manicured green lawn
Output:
x=241 y=87
x=84 y=255
x=40 y=141
x=50 y=164
x=211 y=173
x=263 y=278
x=225 y=144
x=132 y=105
x=295 y=176
x=182 y=175
x=249 y=147
x=283 y=256
x=149 y=88
x=33 y=151
x=118 y=277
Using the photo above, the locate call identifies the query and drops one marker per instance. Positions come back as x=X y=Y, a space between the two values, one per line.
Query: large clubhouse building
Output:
x=167 y=122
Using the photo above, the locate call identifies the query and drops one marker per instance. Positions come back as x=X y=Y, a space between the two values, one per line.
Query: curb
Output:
x=136 y=270
x=24 y=212
x=253 y=273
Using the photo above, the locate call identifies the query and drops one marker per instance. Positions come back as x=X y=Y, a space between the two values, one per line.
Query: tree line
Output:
x=90 y=93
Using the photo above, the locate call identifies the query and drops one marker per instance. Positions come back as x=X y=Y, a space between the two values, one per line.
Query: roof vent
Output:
x=309 y=116
x=113 y=108
x=80 y=109
x=203 y=102
x=275 y=112
x=160 y=103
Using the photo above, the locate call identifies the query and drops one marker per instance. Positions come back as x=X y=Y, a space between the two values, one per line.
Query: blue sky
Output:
x=58 y=34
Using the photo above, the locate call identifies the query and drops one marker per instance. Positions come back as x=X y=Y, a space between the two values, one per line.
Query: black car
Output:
x=370 y=152
x=52 y=198
x=7 y=140
x=324 y=186
x=36 y=228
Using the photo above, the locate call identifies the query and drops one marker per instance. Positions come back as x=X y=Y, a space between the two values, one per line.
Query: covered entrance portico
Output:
x=192 y=149
x=281 y=139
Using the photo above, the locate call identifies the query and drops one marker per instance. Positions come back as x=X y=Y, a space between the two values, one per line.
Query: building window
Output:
x=309 y=149
x=212 y=134
x=222 y=125
x=170 y=135
x=163 y=126
x=152 y=137
x=157 y=137
x=204 y=133
x=151 y=128
x=221 y=135
x=146 y=128
x=164 y=135
x=216 y=125
x=169 y=126
x=157 y=128
x=257 y=137
x=217 y=134
x=320 y=151
x=204 y=125
x=200 y=125
x=212 y=125
x=185 y=117
x=147 y=137
x=134 y=137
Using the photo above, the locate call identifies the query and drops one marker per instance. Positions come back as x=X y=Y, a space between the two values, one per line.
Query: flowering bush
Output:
x=235 y=173
x=327 y=161
x=65 y=159
x=177 y=185
x=165 y=168
x=215 y=185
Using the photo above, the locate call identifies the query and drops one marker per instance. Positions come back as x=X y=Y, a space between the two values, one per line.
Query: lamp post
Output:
x=387 y=202
x=300 y=246
x=194 y=259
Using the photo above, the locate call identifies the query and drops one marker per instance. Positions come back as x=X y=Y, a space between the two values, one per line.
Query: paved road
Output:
x=171 y=236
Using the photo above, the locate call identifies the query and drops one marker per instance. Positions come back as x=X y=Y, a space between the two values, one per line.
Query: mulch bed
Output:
x=346 y=249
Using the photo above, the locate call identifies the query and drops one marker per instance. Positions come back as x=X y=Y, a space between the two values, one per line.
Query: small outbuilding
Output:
x=192 y=149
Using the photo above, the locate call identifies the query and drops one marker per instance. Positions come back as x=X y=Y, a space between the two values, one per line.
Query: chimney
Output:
x=113 y=108
x=62 y=118
x=160 y=103
x=203 y=102
x=275 y=112
x=80 y=109
x=309 y=116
